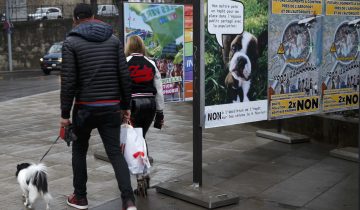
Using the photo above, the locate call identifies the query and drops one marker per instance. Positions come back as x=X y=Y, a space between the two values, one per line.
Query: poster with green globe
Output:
x=161 y=26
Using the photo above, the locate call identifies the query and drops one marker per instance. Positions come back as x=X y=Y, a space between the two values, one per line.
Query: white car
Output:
x=2 y=17
x=107 y=10
x=45 y=13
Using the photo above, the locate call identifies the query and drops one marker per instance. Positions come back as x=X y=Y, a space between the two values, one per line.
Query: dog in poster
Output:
x=240 y=55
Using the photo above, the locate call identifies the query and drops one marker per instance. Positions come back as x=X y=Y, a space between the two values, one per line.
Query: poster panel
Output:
x=295 y=53
x=188 y=58
x=235 y=61
x=162 y=28
x=341 y=56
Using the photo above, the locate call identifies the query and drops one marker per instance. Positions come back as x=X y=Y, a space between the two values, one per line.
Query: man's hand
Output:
x=64 y=122
x=126 y=116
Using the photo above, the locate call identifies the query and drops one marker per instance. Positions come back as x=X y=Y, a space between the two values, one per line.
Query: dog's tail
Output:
x=40 y=178
x=40 y=181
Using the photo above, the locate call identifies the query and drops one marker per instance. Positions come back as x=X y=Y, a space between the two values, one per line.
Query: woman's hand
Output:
x=159 y=120
x=126 y=114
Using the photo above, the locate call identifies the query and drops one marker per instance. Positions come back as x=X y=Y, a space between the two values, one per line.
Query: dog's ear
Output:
x=227 y=39
x=17 y=170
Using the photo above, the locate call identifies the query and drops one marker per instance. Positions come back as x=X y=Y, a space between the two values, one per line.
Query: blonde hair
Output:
x=134 y=44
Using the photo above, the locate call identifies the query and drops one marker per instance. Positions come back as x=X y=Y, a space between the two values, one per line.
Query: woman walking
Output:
x=147 y=94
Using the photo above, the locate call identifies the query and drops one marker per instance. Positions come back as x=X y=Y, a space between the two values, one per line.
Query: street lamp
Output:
x=8 y=30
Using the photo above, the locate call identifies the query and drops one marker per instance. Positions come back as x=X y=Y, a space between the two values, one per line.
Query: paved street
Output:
x=267 y=175
x=23 y=83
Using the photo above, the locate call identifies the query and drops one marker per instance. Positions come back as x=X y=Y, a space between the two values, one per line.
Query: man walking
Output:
x=95 y=75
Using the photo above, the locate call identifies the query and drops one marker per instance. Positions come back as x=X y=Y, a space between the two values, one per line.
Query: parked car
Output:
x=107 y=10
x=44 y=13
x=52 y=60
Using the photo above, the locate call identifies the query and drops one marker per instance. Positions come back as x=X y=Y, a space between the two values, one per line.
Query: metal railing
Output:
x=21 y=12
x=25 y=13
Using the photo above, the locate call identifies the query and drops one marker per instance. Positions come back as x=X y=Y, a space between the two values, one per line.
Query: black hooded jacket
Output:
x=94 y=67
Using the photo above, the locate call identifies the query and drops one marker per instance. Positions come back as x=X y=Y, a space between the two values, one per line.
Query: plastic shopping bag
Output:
x=135 y=151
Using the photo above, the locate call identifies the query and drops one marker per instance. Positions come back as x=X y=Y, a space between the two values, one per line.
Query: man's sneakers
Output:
x=81 y=203
x=129 y=205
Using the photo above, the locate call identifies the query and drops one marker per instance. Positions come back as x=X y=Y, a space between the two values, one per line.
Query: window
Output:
x=40 y=10
x=53 y=10
x=56 y=48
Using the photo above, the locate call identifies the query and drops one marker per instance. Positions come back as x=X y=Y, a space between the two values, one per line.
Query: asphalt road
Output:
x=25 y=83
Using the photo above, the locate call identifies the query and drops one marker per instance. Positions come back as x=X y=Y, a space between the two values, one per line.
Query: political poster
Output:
x=295 y=55
x=161 y=26
x=188 y=59
x=341 y=59
x=235 y=61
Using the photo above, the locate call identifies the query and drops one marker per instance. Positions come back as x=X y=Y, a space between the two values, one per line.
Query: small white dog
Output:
x=33 y=182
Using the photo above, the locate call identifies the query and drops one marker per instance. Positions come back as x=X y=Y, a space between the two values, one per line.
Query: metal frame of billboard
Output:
x=206 y=196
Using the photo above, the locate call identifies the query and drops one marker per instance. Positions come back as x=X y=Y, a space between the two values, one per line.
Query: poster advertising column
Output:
x=189 y=62
x=235 y=62
x=295 y=55
x=161 y=26
x=341 y=66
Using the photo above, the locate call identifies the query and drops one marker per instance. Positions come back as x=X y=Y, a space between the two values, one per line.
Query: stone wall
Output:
x=66 y=6
x=30 y=41
x=59 y=2
x=328 y=128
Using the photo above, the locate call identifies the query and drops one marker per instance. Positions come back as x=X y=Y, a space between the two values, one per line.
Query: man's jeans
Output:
x=107 y=120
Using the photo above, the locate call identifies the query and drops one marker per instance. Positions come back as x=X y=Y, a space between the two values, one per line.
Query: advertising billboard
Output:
x=161 y=26
x=235 y=62
x=341 y=56
x=295 y=55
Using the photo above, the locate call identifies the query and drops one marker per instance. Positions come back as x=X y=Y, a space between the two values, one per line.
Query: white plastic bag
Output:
x=135 y=151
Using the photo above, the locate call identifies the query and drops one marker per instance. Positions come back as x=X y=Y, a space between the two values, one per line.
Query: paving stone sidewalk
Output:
x=267 y=175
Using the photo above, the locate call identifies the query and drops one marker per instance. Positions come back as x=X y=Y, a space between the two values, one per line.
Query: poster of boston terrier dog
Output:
x=236 y=62
x=240 y=55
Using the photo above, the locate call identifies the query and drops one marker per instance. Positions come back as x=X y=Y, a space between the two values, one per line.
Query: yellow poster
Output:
x=297 y=7
x=285 y=106
x=343 y=7
x=340 y=99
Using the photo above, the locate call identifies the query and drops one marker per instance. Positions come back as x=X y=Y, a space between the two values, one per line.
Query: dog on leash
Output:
x=33 y=183
x=240 y=55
